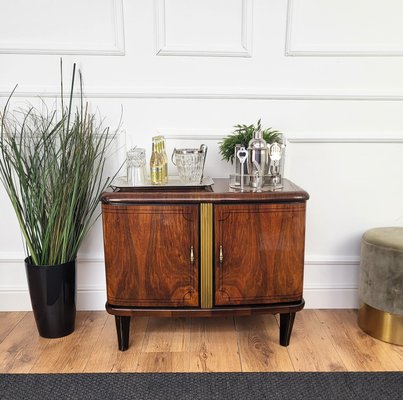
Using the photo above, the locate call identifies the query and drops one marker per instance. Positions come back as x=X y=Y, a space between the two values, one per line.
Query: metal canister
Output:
x=257 y=159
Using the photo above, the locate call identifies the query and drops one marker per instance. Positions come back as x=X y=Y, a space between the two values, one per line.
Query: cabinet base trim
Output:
x=206 y=312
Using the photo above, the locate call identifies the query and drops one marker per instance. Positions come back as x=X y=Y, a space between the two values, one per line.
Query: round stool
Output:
x=381 y=284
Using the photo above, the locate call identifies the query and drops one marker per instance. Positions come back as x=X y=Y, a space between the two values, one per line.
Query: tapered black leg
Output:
x=286 y=324
x=122 y=330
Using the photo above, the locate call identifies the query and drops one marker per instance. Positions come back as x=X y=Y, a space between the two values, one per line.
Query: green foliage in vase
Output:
x=242 y=135
x=51 y=165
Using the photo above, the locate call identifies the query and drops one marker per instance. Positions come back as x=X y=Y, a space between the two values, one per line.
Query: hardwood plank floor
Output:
x=259 y=347
x=311 y=348
x=214 y=345
x=322 y=340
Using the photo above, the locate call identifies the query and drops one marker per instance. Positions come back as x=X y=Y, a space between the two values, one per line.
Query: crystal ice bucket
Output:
x=190 y=164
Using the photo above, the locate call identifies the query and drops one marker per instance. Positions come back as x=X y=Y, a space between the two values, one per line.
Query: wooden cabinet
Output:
x=261 y=253
x=151 y=255
x=204 y=252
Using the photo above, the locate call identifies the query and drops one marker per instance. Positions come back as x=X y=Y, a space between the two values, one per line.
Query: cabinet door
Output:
x=259 y=253
x=151 y=255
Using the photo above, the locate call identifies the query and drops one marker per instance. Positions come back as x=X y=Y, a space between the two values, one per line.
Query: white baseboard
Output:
x=14 y=299
x=320 y=298
x=17 y=299
x=328 y=283
x=94 y=299
x=91 y=300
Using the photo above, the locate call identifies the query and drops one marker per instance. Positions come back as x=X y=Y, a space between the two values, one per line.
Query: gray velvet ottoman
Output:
x=381 y=284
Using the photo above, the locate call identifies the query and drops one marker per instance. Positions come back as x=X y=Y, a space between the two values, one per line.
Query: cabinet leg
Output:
x=286 y=324
x=122 y=330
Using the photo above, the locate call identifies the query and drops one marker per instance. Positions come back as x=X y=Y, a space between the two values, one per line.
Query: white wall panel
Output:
x=352 y=187
x=342 y=115
x=267 y=75
x=208 y=28
x=54 y=27
x=345 y=28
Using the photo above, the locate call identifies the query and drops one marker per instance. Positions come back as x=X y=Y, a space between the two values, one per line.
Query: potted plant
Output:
x=51 y=165
x=242 y=134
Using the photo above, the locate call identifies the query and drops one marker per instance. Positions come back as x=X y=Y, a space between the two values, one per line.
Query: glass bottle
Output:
x=156 y=163
x=165 y=157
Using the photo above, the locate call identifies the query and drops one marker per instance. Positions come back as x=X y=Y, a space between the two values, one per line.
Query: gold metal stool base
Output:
x=381 y=325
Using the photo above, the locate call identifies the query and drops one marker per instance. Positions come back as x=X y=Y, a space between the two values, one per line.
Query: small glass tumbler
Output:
x=136 y=167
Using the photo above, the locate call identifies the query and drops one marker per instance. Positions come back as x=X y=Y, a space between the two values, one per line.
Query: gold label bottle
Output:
x=156 y=164
x=165 y=158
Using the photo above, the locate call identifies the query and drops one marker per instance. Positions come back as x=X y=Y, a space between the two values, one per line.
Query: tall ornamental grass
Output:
x=51 y=165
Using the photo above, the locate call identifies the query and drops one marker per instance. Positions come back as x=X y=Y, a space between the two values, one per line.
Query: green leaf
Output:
x=51 y=165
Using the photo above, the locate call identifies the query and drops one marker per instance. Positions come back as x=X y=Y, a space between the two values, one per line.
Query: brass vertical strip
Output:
x=206 y=254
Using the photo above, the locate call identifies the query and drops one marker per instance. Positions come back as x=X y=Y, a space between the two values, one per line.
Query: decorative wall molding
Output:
x=118 y=48
x=97 y=288
x=212 y=93
x=321 y=260
x=200 y=135
x=322 y=52
x=291 y=139
x=296 y=95
x=163 y=48
x=24 y=288
x=351 y=139
x=12 y=258
x=194 y=137
x=296 y=139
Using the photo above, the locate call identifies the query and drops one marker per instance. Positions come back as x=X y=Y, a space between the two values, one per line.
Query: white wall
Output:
x=329 y=74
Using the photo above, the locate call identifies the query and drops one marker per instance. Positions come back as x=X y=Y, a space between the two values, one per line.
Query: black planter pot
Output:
x=53 y=297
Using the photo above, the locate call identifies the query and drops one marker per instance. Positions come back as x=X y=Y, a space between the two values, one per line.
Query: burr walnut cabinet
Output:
x=207 y=251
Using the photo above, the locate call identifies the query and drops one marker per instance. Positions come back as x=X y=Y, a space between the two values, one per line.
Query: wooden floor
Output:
x=322 y=340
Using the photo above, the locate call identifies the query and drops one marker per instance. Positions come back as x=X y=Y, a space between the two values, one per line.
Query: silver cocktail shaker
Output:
x=257 y=159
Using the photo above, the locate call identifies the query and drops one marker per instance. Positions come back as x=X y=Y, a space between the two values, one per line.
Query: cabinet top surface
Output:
x=219 y=192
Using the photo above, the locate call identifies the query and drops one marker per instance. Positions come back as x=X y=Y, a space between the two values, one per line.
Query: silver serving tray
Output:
x=173 y=182
x=265 y=188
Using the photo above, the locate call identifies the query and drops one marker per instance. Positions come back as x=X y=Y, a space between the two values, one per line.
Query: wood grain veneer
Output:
x=252 y=246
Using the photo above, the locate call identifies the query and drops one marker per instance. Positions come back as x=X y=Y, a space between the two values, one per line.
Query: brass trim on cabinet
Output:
x=206 y=255
x=381 y=324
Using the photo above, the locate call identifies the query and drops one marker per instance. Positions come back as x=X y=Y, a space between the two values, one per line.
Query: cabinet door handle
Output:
x=192 y=257
x=221 y=255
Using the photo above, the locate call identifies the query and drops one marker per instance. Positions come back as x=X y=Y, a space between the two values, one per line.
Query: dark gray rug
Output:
x=193 y=386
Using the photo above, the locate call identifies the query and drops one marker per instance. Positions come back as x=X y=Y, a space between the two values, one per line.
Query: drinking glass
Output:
x=136 y=167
